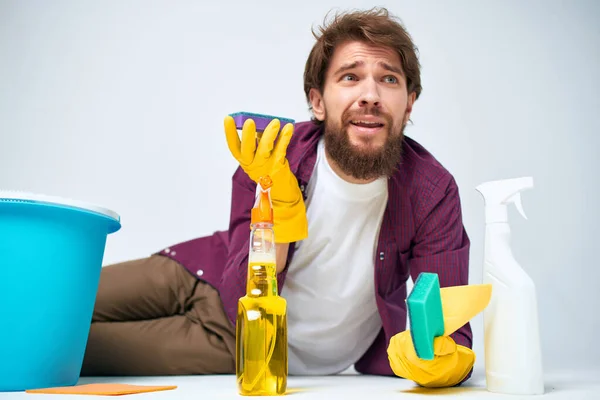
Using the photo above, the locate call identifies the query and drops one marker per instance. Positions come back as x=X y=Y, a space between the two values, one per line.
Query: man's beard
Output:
x=364 y=164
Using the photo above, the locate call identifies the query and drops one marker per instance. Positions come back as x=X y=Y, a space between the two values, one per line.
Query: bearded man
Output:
x=359 y=207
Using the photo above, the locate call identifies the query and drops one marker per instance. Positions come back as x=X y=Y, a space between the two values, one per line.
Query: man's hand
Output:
x=449 y=367
x=269 y=158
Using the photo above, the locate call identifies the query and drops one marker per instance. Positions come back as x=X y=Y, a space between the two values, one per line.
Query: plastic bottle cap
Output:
x=262 y=212
x=261 y=215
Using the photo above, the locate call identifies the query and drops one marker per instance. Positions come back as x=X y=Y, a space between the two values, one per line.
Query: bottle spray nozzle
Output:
x=262 y=212
x=498 y=194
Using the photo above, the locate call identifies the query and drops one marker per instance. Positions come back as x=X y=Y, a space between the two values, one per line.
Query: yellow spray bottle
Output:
x=261 y=328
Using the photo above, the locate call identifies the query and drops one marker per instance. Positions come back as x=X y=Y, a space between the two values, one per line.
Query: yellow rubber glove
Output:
x=450 y=365
x=269 y=158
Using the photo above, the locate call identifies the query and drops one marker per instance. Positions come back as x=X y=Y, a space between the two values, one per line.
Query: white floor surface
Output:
x=569 y=385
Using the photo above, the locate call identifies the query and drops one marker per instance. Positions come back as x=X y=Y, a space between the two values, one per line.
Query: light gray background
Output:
x=121 y=103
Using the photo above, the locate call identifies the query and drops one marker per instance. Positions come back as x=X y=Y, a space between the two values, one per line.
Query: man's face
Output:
x=365 y=106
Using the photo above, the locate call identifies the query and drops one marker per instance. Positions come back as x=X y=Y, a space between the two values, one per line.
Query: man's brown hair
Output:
x=375 y=26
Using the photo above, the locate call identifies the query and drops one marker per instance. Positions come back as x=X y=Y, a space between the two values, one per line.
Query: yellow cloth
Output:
x=101 y=389
x=461 y=303
x=269 y=158
x=451 y=362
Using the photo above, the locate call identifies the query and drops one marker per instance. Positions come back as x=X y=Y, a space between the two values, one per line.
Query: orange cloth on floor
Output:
x=102 y=389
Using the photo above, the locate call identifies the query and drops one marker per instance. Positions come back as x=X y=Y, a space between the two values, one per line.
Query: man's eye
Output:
x=348 y=77
x=391 y=79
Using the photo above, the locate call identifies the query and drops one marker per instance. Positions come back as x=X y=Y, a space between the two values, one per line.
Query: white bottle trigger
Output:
x=498 y=194
x=516 y=199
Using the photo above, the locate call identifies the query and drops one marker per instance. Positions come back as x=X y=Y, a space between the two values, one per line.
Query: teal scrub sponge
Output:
x=425 y=314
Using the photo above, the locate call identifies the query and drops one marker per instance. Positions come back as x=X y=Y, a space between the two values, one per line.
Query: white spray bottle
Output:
x=513 y=359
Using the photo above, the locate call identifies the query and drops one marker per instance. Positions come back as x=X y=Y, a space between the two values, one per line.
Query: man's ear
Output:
x=316 y=101
x=409 y=106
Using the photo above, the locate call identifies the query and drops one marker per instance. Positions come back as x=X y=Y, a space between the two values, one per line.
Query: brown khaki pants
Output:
x=152 y=317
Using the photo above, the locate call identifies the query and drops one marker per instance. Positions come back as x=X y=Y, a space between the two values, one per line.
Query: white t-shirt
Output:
x=329 y=286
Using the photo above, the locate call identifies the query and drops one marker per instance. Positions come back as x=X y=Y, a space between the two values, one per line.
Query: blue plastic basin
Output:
x=51 y=254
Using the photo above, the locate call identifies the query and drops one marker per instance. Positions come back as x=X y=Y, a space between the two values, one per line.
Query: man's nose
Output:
x=370 y=96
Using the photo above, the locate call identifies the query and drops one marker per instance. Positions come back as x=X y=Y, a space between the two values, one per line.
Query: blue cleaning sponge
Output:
x=425 y=314
x=260 y=120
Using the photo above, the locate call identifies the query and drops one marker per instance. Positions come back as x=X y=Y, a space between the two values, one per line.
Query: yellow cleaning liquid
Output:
x=261 y=327
x=262 y=335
